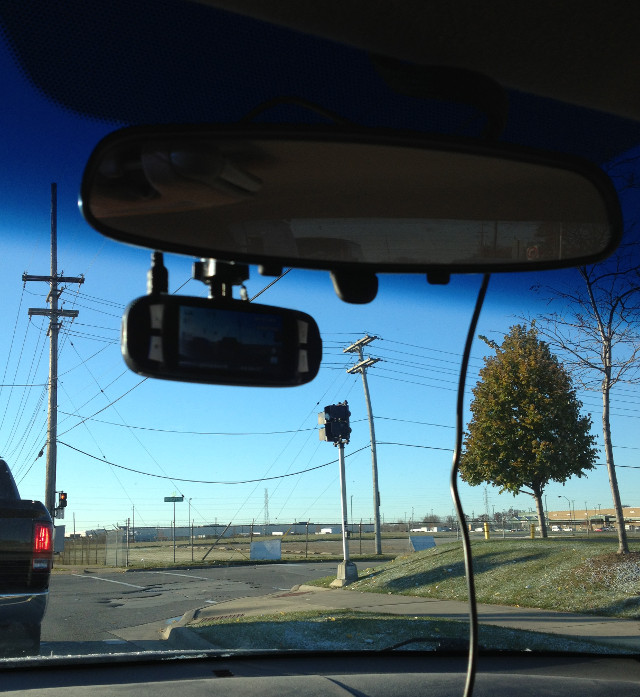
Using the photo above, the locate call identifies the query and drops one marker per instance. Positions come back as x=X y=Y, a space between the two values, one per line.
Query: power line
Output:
x=13 y=336
x=6 y=406
x=410 y=421
x=93 y=355
x=205 y=481
x=117 y=399
x=27 y=432
x=411 y=445
x=413 y=382
x=192 y=433
x=279 y=455
x=275 y=280
x=118 y=413
x=413 y=375
x=25 y=397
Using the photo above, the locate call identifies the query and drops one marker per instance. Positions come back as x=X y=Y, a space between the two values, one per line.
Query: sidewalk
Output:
x=611 y=631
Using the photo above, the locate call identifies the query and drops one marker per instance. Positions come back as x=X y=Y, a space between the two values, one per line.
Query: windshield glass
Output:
x=222 y=510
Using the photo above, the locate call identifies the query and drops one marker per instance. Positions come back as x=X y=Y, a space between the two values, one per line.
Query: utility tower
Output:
x=55 y=323
x=361 y=367
x=266 y=506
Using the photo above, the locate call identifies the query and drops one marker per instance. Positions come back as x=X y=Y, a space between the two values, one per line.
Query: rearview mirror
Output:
x=332 y=199
x=224 y=342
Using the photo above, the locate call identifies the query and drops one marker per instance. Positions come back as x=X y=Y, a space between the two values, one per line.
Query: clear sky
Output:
x=109 y=419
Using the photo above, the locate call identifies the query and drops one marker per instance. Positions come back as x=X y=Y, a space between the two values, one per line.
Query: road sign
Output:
x=174 y=499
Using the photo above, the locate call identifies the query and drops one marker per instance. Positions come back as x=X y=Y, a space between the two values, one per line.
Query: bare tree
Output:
x=597 y=331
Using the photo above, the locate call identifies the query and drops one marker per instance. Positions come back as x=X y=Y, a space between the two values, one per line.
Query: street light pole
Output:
x=568 y=504
x=173 y=499
x=586 y=515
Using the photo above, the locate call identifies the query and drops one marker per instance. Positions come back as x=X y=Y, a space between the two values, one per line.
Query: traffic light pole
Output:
x=335 y=419
x=347 y=570
x=343 y=491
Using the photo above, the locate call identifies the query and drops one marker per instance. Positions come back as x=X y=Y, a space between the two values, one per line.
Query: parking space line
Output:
x=171 y=573
x=108 y=580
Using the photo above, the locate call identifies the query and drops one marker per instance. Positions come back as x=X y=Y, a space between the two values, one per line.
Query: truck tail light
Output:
x=43 y=538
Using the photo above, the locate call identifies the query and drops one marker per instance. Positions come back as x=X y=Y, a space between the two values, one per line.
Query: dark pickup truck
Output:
x=26 y=555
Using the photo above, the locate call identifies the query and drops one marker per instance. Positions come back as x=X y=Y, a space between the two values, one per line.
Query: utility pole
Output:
x=361 y=367
x=54 y=315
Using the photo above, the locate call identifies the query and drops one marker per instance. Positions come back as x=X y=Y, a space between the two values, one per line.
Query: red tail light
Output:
x=43 y=538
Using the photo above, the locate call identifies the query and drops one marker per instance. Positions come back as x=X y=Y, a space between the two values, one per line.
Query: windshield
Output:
x=191 y=516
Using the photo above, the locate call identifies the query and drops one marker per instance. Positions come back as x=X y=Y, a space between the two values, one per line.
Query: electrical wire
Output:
x=284 y=448
x=410 y=421
x=26 y=394
x=190 y=433
x=206 y=481
x=112 y=402
x=15 y=374
x=27 y=432
x=275 y=280
x=412 y=382
x=411 y=445
x=119 y=416
x=13 y=336
x=455 y=495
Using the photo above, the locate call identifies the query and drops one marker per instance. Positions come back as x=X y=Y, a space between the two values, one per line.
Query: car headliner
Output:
x=175 y=61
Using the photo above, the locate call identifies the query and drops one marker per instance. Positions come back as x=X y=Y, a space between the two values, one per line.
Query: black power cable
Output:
x=466 y=542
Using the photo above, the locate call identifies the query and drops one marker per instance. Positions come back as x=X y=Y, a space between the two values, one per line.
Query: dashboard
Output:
x=364 y=675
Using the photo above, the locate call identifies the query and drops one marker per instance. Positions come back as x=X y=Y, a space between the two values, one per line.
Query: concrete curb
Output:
x=608 y=631
x=185 y=638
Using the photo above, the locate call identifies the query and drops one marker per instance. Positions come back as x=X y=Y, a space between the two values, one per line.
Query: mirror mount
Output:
x=355 y=286
x=221 y=277
x=157 y=276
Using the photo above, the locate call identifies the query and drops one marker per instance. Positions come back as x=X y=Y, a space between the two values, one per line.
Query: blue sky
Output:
x=421 y=329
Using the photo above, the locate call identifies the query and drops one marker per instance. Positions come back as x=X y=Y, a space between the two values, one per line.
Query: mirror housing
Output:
x=344 y=199
x=220 y=341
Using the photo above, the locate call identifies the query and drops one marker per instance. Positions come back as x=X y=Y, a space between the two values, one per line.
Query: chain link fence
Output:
x=149 y=547
x=107 y=549
x=160 y=546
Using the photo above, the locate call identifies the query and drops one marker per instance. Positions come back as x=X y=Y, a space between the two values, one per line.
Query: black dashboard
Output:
x=364 y=675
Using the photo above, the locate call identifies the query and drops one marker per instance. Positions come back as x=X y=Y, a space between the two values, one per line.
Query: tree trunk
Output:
x=537 y=495
x=623 y=546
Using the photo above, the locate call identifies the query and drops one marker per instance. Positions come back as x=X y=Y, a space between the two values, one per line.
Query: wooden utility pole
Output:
x=55 y=315
x=361 y=367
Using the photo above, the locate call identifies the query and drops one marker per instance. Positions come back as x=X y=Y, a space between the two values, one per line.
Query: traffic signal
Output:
x=335 y=419
x=62 y=499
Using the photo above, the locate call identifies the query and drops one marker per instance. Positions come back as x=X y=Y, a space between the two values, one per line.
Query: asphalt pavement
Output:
x=613 y=632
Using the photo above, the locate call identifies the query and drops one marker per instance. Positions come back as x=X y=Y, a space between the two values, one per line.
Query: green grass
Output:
x=583 y=576
x=350 y=630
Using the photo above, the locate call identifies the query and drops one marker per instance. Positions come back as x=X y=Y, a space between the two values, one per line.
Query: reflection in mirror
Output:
x=326 y=200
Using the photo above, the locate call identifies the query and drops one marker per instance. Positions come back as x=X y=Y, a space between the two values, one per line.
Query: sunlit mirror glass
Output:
x=319 y=203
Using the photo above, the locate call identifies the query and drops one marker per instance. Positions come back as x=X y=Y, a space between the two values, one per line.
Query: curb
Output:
x=185 y=638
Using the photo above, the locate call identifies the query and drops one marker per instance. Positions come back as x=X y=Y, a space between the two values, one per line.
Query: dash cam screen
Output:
x=227 y=339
